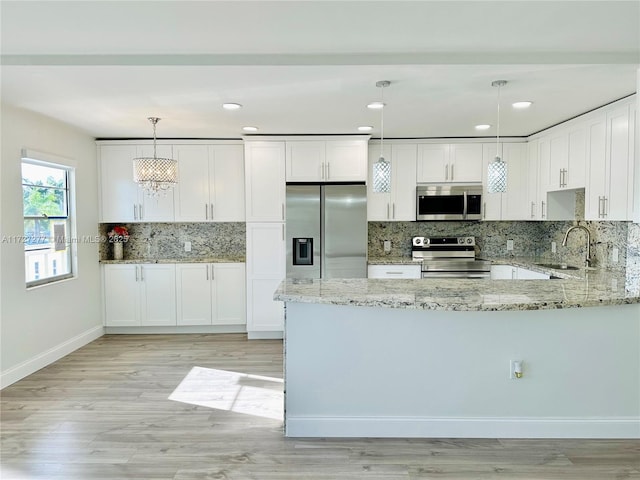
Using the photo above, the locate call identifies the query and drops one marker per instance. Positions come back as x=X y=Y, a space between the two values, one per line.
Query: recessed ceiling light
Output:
x=365 y=128
x=483 y=127
x=231 y=106
x=521 y=104
x=376 y=105
x=250 y=129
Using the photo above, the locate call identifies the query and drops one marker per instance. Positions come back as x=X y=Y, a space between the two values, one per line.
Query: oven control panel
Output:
x=469 y=241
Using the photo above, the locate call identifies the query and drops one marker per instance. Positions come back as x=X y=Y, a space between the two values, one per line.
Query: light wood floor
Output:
x=210 y=407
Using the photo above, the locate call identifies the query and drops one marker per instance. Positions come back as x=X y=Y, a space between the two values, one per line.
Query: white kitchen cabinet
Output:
x=457 y=163
x=210 y=294
x=509 y=272
x=610 y=165
x=399 y=204
x=306 y=161
x=211 y=186
x=535 y=197
x=265 y=270
x=265 y=181
x=121 y=199
x=567 y=158
x=139 y=295
x=514 y=203
x=326 y=161
x=394 y=271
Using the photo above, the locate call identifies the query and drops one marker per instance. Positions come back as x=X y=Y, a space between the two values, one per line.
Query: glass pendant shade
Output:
x=155 y=175
x=382 y=176
x=382 y=168
x=497 y=170
x=497 y=176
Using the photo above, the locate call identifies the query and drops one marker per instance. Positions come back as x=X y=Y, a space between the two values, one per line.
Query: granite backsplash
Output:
x=156 y=241
x=530 y=239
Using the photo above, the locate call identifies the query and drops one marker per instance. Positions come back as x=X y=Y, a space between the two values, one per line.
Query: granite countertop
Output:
x=176 y=260
x=577 y=288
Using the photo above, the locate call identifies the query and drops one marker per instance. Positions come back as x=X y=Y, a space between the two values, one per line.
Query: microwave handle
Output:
x=464 y=207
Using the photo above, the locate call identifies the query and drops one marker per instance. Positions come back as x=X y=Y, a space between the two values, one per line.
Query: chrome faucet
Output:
x=587 y=260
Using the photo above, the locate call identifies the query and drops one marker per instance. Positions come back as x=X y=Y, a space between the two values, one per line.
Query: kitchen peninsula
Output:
x=433 y=358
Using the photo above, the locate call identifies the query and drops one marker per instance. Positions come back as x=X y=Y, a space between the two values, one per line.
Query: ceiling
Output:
x=310 y=67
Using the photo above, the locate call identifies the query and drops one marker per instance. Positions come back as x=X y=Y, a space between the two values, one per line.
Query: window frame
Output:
x=34 y=158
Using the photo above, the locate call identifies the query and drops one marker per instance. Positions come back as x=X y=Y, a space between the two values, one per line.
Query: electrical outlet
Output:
x=553 y=247
x=509 y=245
x=387 y=246
x=187 y=246
x=614 y=255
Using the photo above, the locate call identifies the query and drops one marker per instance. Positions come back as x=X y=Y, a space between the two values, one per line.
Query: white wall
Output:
x=40 y=325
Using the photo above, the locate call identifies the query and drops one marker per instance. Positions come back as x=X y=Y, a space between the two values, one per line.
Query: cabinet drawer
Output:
x=394 y=271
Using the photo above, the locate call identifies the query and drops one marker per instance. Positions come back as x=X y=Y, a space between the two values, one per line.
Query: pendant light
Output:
x=382 y=168
x=497 y=171
x=155 y=175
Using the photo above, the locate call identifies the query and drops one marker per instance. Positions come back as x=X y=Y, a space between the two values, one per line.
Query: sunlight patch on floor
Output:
x=236 y=392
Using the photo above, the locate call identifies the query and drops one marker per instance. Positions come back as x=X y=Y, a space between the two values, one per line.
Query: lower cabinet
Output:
x=174 y=295
x=210 y=294
x=509 y=272
x=140 y=295
x=265 y=271
x=395 y=271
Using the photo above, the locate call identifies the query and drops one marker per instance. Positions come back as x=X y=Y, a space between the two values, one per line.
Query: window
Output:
x=47 y=222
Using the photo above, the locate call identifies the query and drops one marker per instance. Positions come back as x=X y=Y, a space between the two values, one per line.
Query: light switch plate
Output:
x=509 y=245
x=187 y=246
x=387 y=246
x=615 y=255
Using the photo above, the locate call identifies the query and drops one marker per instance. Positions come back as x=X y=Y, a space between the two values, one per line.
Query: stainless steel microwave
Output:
x=449 y=202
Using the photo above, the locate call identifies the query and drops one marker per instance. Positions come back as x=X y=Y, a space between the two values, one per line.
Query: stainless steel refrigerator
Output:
x=326 y=231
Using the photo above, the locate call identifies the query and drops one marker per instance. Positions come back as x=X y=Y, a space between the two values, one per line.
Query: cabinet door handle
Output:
x=206 y=269
x=212 y=274
x=135 y=211
x=446 y=172
x=322 y=171
x=136 y=273
x=393 y=273
x=141 y=273
x=513 y=274
x=328 y=170
x=212 y=212
x=543 y=214
x=283 y=232
x=604 y=207
x=387 y=211
x=393 y=210
x=452 y=171
x=206 y=211
x=599 y=207
x=532 y=210
x=141 y=213
x=283 y=212
x=484 y=210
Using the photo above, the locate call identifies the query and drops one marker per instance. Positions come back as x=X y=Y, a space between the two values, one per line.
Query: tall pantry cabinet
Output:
x=265 y=215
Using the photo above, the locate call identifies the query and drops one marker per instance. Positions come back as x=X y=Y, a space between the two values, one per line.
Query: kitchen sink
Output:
x=557 y=266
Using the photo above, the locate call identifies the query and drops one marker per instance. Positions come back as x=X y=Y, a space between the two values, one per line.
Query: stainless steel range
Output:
x=449 y=257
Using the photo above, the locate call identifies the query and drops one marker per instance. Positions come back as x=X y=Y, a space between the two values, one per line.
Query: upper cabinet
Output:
x=567 y=158
x=326 y=161
x=458 y=163
x=211 y=185
x=265 y=181
x=514 y=204
x=121 y=199
x=610 y=152
x=400 y=202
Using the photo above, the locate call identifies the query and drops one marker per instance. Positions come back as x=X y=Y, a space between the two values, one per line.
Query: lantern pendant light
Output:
x=382 y=168
x=497 y=170
x=155 y=175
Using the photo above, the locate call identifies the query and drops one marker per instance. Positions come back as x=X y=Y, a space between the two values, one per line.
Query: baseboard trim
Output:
x=420 y=427
x=34 y=364
x=176 y=329
x=266 y=335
